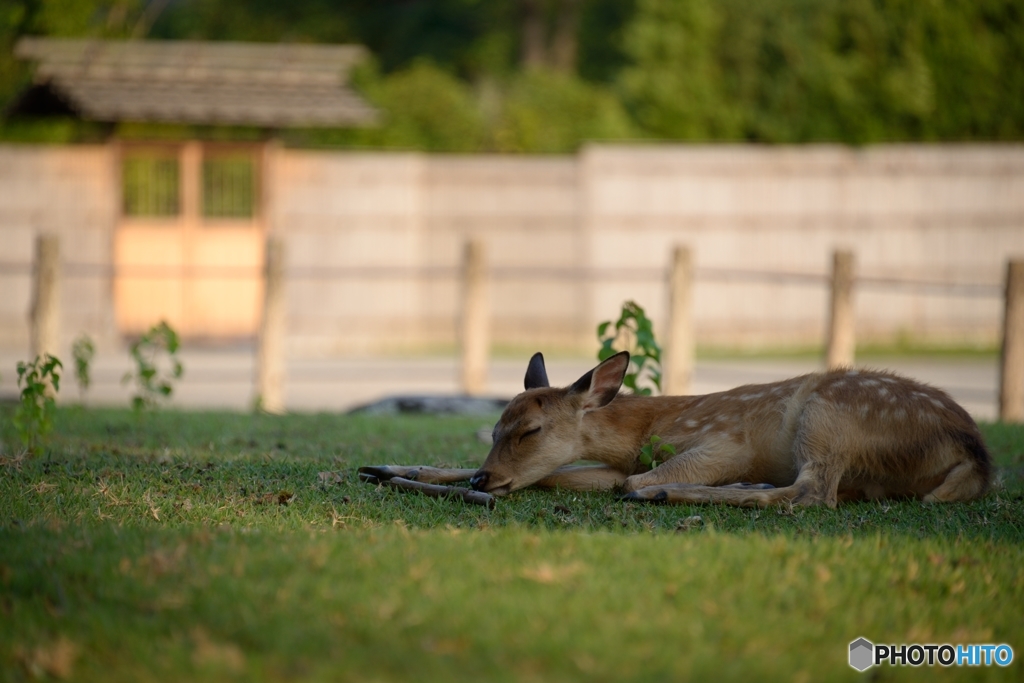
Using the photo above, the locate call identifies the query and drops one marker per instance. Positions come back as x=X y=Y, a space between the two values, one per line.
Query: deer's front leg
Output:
x=421 y=473
x=584 y=478
x=707 y=464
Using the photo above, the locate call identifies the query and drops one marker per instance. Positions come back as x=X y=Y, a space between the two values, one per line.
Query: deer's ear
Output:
x=601 y=385
x=536 y=374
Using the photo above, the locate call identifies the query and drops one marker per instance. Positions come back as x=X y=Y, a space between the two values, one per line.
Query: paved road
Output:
x=224 y=378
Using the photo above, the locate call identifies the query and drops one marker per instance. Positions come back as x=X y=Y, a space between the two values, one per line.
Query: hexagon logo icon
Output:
x=862 y=653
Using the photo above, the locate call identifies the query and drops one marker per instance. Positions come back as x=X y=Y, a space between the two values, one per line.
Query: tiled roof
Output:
x=271 y=85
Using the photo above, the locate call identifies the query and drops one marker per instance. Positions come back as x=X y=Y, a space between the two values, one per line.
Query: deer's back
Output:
x=873 y=424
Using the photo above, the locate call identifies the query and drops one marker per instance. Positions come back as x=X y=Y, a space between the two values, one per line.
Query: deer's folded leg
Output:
x=422 y=473
x=702 y=465
x=584 y=478
x=695 y=494
x=436 y=491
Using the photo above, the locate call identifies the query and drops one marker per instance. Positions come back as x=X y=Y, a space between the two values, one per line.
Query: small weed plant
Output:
x=633 y=332
x=156 y=366
x=83 y=350
x=656 y=451
x=39 y=381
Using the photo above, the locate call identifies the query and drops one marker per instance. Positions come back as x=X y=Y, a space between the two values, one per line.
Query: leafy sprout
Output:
x=633 y=332
x=83 y=351
x=656 y=451
x=153 y=382
x=39 y=381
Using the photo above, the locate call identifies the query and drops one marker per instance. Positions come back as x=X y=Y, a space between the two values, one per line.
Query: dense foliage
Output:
x=547 y=75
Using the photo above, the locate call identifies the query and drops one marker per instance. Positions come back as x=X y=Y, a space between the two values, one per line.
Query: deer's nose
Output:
x=479 y=480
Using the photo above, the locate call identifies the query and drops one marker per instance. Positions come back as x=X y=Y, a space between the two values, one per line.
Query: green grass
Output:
x=205 y=546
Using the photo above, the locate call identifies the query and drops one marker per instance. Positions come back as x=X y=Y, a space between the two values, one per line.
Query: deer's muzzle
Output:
x=482 y=481
x=479 y=480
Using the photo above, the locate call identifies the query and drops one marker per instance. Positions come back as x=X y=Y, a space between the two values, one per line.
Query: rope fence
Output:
x=474 y=277
x=72 y=270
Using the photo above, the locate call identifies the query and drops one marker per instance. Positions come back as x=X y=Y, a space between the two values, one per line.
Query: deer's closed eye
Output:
x=529 y=432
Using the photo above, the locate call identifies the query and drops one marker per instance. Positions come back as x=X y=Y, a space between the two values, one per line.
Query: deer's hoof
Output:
x=643 y=496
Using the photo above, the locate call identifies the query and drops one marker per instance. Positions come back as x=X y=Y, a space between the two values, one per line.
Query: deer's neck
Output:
x=614 y=434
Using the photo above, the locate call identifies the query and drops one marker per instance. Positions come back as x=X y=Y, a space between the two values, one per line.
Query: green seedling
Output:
x=83 y=351
x=656 y=451
x=156 y=349
x=39 y=381
x=633 y=332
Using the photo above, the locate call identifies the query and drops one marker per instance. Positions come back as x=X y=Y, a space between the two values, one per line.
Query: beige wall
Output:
x=349 y=211
x=67 y=191
x=397 y=221
x=524 y=210
x=952 y=213
x=402 y=219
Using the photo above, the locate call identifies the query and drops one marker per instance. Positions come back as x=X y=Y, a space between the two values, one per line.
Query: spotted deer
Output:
x=822 y=438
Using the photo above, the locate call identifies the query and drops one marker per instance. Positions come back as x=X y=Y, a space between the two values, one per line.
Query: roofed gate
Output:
x=189 y=244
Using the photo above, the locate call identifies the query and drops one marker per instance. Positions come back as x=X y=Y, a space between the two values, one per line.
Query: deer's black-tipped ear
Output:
x=536 y=373
x=602 y=384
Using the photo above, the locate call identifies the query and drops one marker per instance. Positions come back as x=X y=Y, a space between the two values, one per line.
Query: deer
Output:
x=818 y=439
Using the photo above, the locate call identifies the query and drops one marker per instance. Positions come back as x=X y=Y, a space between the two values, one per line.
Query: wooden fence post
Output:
x=841 y=343
x=475 y=319
x=679 y=355
x=44 y=317
x=270 y=370
x=1011 y=368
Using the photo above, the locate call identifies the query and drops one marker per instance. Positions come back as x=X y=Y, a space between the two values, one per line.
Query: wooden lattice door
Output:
x=189 y=246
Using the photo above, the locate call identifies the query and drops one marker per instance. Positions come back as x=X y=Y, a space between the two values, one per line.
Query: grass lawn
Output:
x=208 y=546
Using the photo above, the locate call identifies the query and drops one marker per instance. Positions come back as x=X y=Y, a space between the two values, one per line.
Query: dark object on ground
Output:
x=433 y=490
x=433 y=405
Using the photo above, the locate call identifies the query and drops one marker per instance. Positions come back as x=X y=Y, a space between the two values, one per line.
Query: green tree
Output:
x=673 y=84
x=425 y=108
x=544 y=111
x=62 y=18
x=824 y=70
x=853 y=71
x=451 y=76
